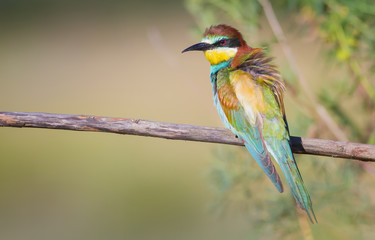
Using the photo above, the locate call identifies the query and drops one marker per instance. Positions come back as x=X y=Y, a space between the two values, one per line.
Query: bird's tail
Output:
x=282 y=153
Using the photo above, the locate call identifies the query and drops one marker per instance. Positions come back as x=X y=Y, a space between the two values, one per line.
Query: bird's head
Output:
x=220 y=43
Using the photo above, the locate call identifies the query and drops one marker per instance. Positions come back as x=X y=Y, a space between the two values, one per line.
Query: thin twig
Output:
x=363 y=152
x=319 y=109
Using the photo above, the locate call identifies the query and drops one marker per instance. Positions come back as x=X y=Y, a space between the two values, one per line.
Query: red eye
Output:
x=222 y=42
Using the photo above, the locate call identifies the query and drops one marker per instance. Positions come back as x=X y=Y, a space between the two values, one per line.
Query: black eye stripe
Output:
x=230 y=42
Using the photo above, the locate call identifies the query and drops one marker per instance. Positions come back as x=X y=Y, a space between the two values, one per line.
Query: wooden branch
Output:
x=363 y=152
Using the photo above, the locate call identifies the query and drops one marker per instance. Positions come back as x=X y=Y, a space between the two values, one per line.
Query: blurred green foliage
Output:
x=82 y=57
x=343 y=28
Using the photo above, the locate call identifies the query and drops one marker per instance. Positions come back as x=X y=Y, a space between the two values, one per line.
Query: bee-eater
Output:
x=248 y=94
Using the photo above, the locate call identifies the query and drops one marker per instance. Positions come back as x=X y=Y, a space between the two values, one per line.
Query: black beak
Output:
x=198 y=47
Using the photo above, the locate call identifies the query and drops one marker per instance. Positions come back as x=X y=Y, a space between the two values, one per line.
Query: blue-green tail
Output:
x=280 y=150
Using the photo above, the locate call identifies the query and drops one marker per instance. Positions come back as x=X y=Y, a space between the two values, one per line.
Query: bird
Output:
x=248 y=95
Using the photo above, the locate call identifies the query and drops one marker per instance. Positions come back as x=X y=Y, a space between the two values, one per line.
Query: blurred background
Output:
x=123 y=59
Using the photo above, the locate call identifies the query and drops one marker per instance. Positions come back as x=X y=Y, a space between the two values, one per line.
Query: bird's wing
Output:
x=244 y=118
x=256 y=63
x=276 y=136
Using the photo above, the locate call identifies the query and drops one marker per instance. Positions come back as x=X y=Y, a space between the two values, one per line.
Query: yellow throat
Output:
x=219 y=55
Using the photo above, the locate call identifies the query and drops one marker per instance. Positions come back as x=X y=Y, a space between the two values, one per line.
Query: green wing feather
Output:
x=276 y=135
x=235 y=118
x=269 y=134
